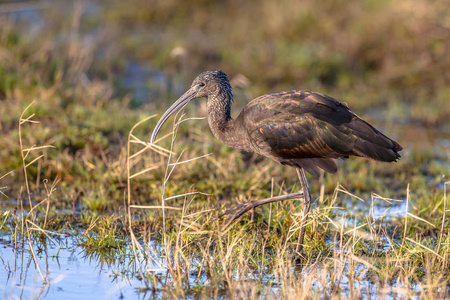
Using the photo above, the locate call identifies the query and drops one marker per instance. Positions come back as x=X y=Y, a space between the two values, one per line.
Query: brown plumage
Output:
x=302 y=129
x=307 y=130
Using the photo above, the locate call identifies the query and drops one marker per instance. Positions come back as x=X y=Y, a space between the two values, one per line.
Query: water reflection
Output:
x=70 y=271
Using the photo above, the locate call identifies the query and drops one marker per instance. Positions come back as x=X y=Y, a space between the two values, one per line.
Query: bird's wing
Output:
x=308 y=129
x=300 y=124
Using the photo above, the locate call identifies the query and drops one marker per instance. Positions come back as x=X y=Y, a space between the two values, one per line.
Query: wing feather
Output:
x=308 y=129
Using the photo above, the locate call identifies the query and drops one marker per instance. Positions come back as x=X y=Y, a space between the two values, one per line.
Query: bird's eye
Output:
x=201 y=84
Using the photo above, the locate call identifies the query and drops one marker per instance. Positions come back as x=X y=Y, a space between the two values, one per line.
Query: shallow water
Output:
x=73 y=273
x=70 y=272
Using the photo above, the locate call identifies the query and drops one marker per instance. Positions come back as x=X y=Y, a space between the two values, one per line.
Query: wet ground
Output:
x=74 y=273
x=71 y=273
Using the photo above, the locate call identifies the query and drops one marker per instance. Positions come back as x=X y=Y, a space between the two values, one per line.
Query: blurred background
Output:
x=95 y=68
x=77 y=76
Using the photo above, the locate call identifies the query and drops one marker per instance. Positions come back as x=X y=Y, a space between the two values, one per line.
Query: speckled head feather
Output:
x=214 y=85
x=213 y=82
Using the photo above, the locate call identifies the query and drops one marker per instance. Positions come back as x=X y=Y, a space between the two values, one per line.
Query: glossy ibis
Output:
x=302 y=129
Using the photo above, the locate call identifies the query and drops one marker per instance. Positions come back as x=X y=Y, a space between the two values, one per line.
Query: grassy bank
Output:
x=70 y=165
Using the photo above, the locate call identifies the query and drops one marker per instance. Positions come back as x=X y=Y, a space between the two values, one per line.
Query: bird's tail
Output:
x=372 y=143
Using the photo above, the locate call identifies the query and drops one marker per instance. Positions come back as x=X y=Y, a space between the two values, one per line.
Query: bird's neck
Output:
x=225 y=128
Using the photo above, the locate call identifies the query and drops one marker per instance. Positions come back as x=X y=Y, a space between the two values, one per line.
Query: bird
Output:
x=302 y=129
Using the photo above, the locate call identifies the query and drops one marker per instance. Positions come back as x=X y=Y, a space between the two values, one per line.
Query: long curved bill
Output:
x=180 y=103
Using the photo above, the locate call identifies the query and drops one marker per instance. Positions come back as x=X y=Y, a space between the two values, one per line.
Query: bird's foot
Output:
x=299 y=258
x=238 y=210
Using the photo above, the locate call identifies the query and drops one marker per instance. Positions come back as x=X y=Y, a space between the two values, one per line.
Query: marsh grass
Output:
x=355 y=257
x=187 y=255
x=75 y=161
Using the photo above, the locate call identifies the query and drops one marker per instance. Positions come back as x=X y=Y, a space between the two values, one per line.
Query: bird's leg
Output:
x=305 y=211
x=238 y=210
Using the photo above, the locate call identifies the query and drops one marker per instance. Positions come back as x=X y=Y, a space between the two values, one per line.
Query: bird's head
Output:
x=211 y=83
x=207 y=84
